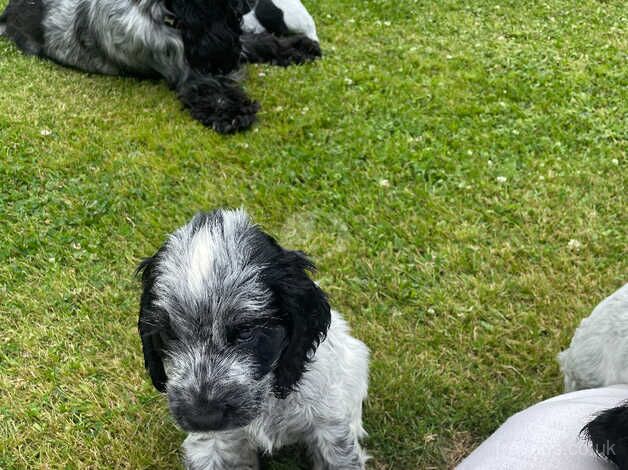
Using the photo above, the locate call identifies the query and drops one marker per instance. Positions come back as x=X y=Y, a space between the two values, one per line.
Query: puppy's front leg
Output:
x=227 y=450
x=336 y=447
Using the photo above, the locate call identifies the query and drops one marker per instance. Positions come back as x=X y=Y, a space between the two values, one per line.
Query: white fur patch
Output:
x=209 y=266
x=297 y=18
x=598 y=351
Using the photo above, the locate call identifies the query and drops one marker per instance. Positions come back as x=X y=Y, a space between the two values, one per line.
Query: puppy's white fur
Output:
x=329 y=398
x=598 y=354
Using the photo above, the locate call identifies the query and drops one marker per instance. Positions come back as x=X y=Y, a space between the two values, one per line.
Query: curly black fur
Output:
x=22 y=23
x=210 y=32
x=284 y=51
x=608 y=434
x=219 y=103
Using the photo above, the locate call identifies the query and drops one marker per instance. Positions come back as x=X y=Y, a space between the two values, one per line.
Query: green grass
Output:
x=500 y=132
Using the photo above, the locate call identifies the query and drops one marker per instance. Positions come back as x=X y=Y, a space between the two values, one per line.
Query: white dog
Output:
x=598 y=354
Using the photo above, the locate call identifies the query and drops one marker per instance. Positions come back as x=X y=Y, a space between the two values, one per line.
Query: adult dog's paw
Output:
x=240 y=120
x=298 y=50
x=223 y=106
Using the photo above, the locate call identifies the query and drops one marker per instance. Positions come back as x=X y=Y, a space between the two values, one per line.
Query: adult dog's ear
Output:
x=211 y=31
x=306 y=313
x=148 y=326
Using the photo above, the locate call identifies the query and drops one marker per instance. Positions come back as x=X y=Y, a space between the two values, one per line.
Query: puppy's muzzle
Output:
x=207 y=416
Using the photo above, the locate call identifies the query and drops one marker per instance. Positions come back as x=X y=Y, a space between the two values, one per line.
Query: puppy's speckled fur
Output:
x=247 y=349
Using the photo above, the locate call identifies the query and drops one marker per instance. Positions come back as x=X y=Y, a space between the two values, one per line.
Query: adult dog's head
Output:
x=227 y=318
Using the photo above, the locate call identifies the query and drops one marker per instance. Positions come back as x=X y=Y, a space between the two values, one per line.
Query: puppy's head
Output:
x=227 y=317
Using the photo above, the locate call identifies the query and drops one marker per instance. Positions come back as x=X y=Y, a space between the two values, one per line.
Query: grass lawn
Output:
x=457 y=170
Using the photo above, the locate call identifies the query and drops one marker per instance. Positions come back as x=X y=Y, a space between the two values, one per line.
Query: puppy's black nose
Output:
x=207 y=415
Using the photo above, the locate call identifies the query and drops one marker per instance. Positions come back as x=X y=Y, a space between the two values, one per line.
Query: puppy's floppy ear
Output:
x=305 y=309
x=148 y=326
x=608 y=434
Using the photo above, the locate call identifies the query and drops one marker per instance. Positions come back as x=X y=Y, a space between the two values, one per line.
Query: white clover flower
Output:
x=574 y=244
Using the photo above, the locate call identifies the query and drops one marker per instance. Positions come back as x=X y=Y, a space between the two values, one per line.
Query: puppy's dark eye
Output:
x=245 y=335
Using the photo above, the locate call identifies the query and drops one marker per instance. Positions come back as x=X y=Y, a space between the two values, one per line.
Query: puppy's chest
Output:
x=279 y=426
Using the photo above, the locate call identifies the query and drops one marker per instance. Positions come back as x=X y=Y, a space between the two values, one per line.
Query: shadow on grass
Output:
x=289 y=458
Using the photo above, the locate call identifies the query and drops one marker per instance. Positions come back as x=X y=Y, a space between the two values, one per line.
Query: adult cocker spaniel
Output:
x=196 y=45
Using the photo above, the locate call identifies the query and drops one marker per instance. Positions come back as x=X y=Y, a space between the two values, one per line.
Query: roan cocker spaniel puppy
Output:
x=197 y=46
x=598 y=357
x=247 y=349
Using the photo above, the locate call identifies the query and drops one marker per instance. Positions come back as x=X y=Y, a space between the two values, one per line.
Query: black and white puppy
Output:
x=247 y=349
x=196 y=45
